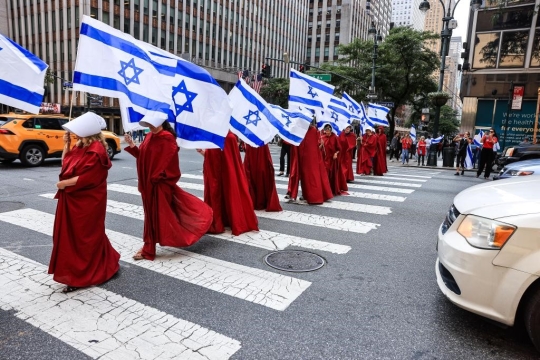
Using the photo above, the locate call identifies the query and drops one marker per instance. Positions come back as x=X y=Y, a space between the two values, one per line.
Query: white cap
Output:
x=85 y=125
x=155 y=122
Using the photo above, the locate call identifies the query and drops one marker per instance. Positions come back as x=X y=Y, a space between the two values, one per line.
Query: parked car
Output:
x=489 y=252
x=33 y=138
x=515 y=153
x=520 y=168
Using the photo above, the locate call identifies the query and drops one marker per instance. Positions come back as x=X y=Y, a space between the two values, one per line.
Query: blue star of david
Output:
x=190 y=96
x=248 y=117
x=1 y=49
x=351 y=108
x=136 y=71
x=334 y=116
x=311 y=92
x=288 y=119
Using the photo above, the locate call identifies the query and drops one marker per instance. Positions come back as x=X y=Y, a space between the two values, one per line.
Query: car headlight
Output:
x=520 y=173
x=485 y=233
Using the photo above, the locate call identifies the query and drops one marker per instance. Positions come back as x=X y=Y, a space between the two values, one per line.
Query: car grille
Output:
x=451 y=216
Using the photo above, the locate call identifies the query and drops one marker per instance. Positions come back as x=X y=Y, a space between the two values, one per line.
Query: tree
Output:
x=403 y=73
x=276 y=91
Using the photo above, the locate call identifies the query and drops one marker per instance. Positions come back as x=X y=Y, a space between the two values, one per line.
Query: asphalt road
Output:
x=376 y=298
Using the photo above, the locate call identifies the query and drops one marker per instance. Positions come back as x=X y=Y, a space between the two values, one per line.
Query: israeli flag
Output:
x=336 y=114
x=252 y=119
x=306 y=92
x=478 y=137
x=377 y=114
x=469 y=158
x=294 y=125
x=437 y=140
x=365 y=122
x=353 y=106
x=22 y=75
x=412 y=132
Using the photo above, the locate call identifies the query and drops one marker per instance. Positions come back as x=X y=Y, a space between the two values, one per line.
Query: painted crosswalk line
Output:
x=255 y=285
x=384 y=182
x=262 y=239
x=102 y=324
x=327 y=222
x=200 y=187
x=392 y=177
x=412 y=176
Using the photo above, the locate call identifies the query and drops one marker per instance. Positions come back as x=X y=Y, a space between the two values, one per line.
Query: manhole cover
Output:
x=294 y=260
x=6 y=206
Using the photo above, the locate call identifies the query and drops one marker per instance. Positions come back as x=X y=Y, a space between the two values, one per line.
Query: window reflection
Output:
x=485 y=50
x=513 y=49
x=512 y=18
x=535 y=52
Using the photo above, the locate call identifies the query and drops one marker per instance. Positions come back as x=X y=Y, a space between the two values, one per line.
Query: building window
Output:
x=485 y=50
x=317 y=52
x=308 y=52
x=326 y=51
x=513 y=48
x=145 y=7
x=535 y=53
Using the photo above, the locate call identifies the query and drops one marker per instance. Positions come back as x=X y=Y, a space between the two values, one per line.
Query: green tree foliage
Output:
x=404 y=68
x=276 y=91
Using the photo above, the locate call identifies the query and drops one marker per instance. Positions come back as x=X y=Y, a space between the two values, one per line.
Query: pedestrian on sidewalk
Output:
x=394 y=145
x=462 y=142
x=82 y=254
x=406 y=143
x=421 y=149
x=487 y=155
x=172 y=216
x=285 y=151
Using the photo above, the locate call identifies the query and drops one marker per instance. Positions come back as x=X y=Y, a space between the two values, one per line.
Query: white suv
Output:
x=489 y=252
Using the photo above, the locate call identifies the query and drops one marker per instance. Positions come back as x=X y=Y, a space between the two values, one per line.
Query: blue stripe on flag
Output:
x=353 y=103
x=111 y=84
x=382 y=108
x=247 y=133
x=191 y=133
x=41 y=65
x=20 y=93
x=308 y=102
x=299 y=115
x=134 y=116
x=340 y=111
x=315 y=84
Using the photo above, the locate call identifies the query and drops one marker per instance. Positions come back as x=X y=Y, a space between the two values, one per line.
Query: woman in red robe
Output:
x=307 y=167
x=331 y=150
x=347 y=142
x=379 y=168
x=261 y=178
x=172 y=216
x=366 y=153
x=226 y=189
x=82 y=254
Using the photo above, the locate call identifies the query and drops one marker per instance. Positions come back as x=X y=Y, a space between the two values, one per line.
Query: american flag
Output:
x=240 y=74
x=257 y=83
x=247 y=80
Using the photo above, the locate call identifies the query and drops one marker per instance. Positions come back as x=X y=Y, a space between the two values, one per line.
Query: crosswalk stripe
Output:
x=334 y=203
x=361 y=227
x=255 y=285
x=367 y=187
x=263 y=239
x=394 y=183
x=392 y=177
x=407 y=175
x=100 y=323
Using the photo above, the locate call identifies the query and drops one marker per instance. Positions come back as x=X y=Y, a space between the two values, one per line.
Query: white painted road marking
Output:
x=258 y=286
x=100 y=323
x=391 y=178
x=285 y=215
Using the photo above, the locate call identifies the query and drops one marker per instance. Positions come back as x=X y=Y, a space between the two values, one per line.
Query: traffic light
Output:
x=302 y=69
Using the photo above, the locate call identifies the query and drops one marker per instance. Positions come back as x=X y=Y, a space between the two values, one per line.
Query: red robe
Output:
x=294 y=175
x=347 y=143
x=82 y=254
x=172 y=216
x=226 y=190
x=365 y=153
x=261 y=178
x=309 y=165
x=333 y=166
x=379 y=168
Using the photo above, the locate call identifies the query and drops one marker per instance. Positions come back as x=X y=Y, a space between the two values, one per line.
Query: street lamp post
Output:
x=449 y=24
x=377 y=37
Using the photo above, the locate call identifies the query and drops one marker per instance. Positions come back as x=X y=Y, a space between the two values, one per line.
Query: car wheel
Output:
x=32 y=155
x=110 y=149
x=532 y=318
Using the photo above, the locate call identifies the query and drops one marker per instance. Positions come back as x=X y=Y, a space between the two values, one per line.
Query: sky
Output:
x=462 y=17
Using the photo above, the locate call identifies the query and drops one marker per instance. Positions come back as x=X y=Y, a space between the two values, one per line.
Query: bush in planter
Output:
x=439 y=98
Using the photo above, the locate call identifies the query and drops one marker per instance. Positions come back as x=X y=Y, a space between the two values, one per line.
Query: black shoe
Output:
x=286 y=175
x=462 y=172
x=457 y=174
x=280 y=174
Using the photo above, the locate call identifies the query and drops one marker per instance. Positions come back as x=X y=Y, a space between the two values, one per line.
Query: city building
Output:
x=452 y=73
x=3 y=17
x=407 y=13
x=433 y=22
x=380 y=13
x=224 y=36
x=501 y=54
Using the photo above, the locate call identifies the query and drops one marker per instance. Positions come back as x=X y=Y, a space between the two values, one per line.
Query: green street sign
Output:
x=323 y=77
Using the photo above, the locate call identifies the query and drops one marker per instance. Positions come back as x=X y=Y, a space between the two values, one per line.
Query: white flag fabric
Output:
x=252 y=118
x=306 y=92
x=377 y=114
x=437 y=140
x=365 y=122
x=352 y=105
x=130 y=118
x=412 y=132
x=22 y=76
x=151 y=82
x=469 y=158
x=336 y=114
x=478 y=137
x=294 y=124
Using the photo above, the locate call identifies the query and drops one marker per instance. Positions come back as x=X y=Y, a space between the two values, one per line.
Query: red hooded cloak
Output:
x=261 y=178
x=333 y=166
x=379 y=168
x=347 y=143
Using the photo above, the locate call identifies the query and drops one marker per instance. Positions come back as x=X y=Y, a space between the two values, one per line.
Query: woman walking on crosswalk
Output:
x=172 y=216
x=82 y=254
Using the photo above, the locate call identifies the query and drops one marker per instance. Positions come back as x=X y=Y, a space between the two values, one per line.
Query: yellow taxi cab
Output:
x=34 y=138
